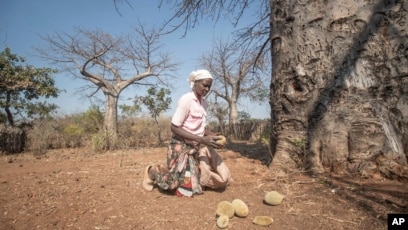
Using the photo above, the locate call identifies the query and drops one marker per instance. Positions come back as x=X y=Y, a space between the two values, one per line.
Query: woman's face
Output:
x=202 y=87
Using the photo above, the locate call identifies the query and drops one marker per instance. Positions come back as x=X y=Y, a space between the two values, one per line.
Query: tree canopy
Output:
x=157 y=102
x=21 y=88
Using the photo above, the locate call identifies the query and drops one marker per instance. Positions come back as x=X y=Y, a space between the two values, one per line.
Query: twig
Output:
x=121 y=160
x=395 y=202
x=304 y=182
x=342 y=221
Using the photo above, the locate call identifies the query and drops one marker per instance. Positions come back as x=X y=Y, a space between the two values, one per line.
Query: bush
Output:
x=73 y=135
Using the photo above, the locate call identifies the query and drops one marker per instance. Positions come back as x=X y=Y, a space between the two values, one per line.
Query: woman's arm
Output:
x=208 y=140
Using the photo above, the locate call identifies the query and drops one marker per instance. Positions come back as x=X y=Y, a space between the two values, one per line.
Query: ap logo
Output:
x=397 y=221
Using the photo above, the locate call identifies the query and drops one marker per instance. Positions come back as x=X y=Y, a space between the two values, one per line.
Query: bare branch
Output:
x=117 y=2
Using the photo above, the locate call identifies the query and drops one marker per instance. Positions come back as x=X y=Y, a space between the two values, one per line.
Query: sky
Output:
x=23 y=22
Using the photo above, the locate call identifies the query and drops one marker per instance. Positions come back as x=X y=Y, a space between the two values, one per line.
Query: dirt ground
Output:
x=80 y=189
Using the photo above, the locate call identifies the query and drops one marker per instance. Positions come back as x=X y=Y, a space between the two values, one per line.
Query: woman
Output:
x=192 y=162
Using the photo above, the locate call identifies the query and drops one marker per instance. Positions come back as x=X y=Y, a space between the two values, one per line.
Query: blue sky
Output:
x=23 y=21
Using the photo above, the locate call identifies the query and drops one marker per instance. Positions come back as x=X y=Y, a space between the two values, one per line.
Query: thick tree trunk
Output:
x=233 y=118
x=339 y=87
x=110 y=122
x=9 y=114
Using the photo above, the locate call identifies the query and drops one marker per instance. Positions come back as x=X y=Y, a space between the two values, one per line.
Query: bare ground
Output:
x=80 y=189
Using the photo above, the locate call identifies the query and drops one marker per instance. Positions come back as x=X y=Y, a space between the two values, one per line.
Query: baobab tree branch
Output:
x=94 y=93
x=97 y=80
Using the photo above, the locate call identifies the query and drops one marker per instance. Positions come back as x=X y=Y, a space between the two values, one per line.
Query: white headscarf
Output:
x=198 y=75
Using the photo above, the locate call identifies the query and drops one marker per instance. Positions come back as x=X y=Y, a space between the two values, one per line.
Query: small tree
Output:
x=156 y=102
x=21 y=87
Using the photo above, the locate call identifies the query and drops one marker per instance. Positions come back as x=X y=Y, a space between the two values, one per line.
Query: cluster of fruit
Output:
x=226 y=210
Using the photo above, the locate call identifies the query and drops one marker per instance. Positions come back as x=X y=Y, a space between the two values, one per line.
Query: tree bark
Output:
x=338 y=93
x=110 y=122
x=233 y=116
x=9 y=114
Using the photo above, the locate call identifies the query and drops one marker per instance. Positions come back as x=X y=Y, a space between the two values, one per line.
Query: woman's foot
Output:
x=148 y=179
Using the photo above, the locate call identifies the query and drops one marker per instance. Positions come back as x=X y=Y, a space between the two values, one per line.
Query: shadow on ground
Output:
x=252 y=150
x=376 y=195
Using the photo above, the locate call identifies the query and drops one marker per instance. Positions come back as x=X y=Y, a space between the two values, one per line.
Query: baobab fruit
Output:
x=222 y=221
x=240 y=208
x=221 y=141
x=273 y=198
x=225 y=208
x=262 y=220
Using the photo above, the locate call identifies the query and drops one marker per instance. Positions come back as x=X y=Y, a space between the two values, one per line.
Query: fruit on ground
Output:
x=240 y=208
x=273 y=198
x=222 y=221
x=262 y=220
x=225 y=208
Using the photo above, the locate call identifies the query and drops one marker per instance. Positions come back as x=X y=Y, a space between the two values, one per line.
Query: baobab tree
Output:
x=238 y=73
x=338 y=89
x=110 y=64
x=338 y=84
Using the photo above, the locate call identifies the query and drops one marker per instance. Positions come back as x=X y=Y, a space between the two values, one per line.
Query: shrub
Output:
x=73 y=135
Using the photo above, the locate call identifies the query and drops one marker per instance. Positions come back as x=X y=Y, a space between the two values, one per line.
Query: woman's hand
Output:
x=209 y=138
x=211 y=141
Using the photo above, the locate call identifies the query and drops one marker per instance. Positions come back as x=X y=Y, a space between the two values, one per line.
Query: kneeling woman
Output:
x=192 y=162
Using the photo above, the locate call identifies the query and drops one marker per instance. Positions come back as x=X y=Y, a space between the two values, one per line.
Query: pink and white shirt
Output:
x=191 y=114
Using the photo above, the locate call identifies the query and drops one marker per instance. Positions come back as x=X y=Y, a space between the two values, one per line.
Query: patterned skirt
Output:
x=182 y=174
